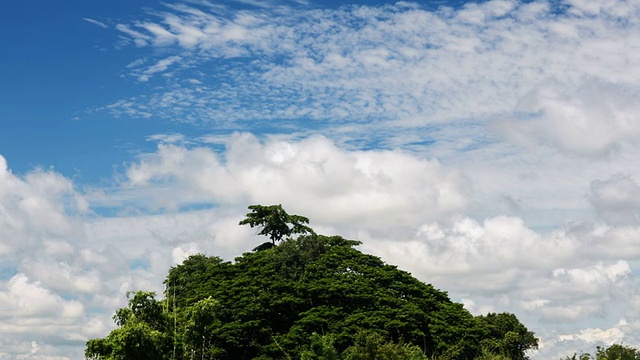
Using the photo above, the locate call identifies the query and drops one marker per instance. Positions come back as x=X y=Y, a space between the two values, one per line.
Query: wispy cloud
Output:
x=401 y=64
x=96 y=22
x=160 y=67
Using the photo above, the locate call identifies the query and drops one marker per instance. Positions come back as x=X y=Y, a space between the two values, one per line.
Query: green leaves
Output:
x=272 y=304
x=320 y=348
x=202 y=319
x=275 y=222
x=142 y=333
x=371 y=346
x=613 y=352
x=504 y=334
x=617 y=352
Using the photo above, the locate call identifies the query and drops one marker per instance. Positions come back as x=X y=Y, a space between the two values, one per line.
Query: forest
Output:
x=306 y=296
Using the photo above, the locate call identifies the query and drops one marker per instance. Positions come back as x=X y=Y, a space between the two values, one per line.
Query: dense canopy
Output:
x=312 y=297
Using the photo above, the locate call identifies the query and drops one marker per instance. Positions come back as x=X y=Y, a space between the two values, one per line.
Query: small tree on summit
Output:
x=275 y=222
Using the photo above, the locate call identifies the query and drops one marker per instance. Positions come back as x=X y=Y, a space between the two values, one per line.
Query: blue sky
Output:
x=487 y=147
x=56 y=67
x=63 y=65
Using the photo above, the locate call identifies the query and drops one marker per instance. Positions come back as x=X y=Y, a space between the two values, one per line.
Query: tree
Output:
x=272 y=301
x=582 y=356
x=505 y=335
x=617 y=352
x=613 y=352
x=202 y=320
x=320 y=348
x=275 y=222
x=372 y=346
x=141 y=335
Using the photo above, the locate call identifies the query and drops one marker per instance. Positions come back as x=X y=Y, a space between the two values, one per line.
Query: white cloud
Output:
x=35 y=207
x=34 y=304
x=58 y=285
x=549 y=279
x=406 y=65
x=81 y=264
x=168 y=138
x=139 y=38
x=63 y=276
x=608 y=336
x=591 y=122
x=96 y=22
x=347 y=187
x=159 y=67
x=180 y=253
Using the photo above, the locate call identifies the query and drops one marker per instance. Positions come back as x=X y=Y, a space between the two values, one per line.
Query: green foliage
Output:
x=505 y=335
x=275 y=222
x=202 y=318
x=372 y=346
x=617 y=352
x=320 y=348
x=613 y=352
x=488 y=355
x=272 y=304
x=582 y=356
x=142 y=333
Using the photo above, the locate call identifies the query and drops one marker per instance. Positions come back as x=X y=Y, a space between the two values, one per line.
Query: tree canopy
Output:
x=142 y=332
x=275 y=222
x=613 y=352
x=310 y=297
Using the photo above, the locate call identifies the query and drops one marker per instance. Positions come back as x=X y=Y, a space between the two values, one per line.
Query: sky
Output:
x=488 y=147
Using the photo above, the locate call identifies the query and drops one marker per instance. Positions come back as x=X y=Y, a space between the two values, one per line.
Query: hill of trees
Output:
x=310 y=297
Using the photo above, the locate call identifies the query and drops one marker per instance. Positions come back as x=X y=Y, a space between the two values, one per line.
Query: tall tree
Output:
x=275 y=222
x=141 y=335
x=506 y=335
x=202 y=320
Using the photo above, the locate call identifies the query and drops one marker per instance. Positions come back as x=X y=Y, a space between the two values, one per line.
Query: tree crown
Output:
x=275 y=222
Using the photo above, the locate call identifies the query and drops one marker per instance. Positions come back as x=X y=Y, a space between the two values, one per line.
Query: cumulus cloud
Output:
x=60 y=282
x=591 y=122
x=344 y=186
x=560 y=283
x=35 y=208
x=32 y=302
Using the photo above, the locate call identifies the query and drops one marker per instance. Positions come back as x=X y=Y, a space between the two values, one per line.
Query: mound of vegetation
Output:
x=310 y=297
